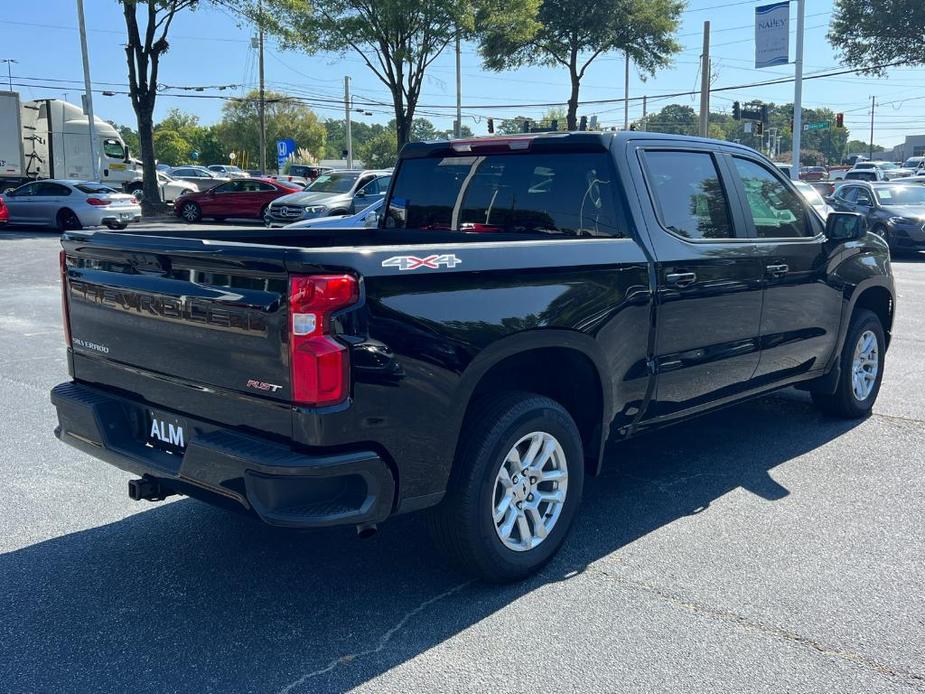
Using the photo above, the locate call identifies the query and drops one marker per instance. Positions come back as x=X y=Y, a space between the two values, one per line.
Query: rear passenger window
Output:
x=777 y=211
x=689 y=195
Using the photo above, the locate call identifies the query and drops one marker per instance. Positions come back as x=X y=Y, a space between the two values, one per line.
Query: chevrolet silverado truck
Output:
x=524 y=300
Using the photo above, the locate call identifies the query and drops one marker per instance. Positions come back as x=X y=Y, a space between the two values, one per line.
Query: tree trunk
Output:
x=402 y=126
x=151 y=204
x=572 y=115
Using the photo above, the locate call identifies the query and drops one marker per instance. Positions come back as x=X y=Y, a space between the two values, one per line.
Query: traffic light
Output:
x=491 y=126
x=736 y=110
x=554 y=124
x=583 y=123
x=839 y=120
x=526 y=125
x=759 y=128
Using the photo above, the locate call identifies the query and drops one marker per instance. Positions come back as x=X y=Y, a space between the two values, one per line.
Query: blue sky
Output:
x=208 y=48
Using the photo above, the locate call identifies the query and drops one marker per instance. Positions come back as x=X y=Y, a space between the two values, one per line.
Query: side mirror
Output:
x=9 y=194
x=845 y=226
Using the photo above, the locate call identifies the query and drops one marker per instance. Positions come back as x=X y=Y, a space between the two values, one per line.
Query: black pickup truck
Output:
x=523 y=300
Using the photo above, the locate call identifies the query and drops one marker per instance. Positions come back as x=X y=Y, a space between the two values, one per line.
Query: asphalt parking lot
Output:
x=764 y=548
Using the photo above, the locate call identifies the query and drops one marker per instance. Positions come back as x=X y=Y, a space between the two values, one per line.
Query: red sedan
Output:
x=4 y=213
x=239 y=198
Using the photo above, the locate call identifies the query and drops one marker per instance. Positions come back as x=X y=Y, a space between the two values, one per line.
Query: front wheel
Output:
x=191 y=212
x=515 y=488
x=861 y=374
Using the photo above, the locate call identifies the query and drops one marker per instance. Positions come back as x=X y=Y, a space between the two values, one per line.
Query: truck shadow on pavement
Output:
x=183 y=597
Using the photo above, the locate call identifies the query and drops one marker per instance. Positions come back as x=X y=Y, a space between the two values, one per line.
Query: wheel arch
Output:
x=563 y=365
x=878 y=299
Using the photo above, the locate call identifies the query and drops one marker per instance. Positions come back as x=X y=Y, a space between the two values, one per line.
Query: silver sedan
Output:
x=69 y=204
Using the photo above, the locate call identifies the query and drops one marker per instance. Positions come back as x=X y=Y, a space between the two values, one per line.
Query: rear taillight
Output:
x=98 y=202
x=320 y=364
x=65 y=305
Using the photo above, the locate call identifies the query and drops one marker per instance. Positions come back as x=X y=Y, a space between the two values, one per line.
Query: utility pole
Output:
x=347 y=114
x=9 y=72
x=645 y=125
x=705 y=83
x=626 y=95
x=798 y=92
x=88 y=95
x=457 y=127
x=261 y=106
x=873 y=106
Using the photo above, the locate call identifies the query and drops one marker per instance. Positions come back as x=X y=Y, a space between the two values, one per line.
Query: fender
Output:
x=859 y=268
x=530 y=340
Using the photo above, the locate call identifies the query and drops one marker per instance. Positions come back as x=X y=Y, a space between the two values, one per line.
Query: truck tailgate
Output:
x=205 y=315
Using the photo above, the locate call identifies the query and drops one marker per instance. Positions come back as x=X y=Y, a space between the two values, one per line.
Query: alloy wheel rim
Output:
x=865 y=366
x=189 y=212
x=529 y=491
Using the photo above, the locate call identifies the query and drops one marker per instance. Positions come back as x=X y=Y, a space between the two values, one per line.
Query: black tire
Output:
x=263 y=213
x=462 y=525
x=66 y=220
x=844 y=402
x=117 y=226
x=190 y=212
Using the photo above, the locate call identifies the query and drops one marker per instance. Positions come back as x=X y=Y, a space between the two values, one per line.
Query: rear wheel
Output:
x=515 y=488
x=861 y=364
x=66 y=220
x=190 y=212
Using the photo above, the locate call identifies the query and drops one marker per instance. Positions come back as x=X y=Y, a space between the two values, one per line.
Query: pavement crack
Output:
x=916 y=680
x=380 y=646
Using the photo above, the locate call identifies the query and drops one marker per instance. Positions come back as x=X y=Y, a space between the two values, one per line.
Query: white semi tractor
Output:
x=49 y=138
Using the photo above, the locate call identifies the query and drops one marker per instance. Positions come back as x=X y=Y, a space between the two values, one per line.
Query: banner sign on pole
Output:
x=284 y=149
x=772 y=34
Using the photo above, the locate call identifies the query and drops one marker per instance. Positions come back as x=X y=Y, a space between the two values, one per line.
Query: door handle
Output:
x=777 y=270
x=681 y=279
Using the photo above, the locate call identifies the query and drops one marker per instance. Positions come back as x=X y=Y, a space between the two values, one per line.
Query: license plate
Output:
x=167 y=432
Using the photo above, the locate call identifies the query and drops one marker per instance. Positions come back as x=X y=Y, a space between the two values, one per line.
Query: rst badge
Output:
x=431 y=262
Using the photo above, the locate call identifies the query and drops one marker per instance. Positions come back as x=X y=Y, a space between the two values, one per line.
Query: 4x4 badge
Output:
x=431 y=262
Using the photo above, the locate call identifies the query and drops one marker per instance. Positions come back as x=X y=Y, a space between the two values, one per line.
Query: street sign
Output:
x=284 y=149
x=772 y=34
x=816 y=125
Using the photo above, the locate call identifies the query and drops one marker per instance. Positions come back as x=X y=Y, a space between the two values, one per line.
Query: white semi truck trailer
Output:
x=49 y=138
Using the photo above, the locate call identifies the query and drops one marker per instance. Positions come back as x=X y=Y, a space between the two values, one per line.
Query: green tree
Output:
x=673 y=118
x=285 y=117
x=170 y=147
x=379 y=152
x=870 y=33
x=573 y=33
x=396 y=39
x=143 y=52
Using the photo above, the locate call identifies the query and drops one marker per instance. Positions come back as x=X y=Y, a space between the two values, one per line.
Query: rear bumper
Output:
x=281 y=486
x=98 y=216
